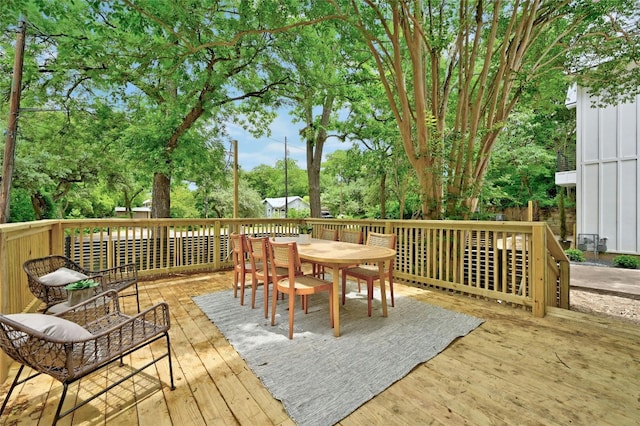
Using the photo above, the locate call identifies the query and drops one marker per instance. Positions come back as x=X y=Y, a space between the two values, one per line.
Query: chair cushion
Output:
x=55 y=357
x=62 y=276
x=55 y=327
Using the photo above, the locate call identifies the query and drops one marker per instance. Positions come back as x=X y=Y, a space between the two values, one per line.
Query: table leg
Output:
x=383 y=292
x=336 y=304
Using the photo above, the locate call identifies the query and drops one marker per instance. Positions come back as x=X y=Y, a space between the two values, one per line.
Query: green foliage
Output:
x=305 y=229
x=178 y=73
x=269 y=181
x=183 y=202
x=81 y=285
x=626 y=261
x=298 y=213
x=217 y=200
x=575 y=255
x=21 y=208
x=524 y=159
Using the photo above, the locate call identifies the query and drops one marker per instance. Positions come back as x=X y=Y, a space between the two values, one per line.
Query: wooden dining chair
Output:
x=285 y=255
x=241 y=267
x=325 y=234
x=329 y=234
x=351 y=236
x=371 y=273
x=261 y=270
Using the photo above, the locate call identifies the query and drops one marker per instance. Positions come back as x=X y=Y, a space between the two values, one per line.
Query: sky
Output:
x=267 y=150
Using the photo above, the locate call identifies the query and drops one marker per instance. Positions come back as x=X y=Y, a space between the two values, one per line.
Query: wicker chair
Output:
x=75 y=343
x=53 y=293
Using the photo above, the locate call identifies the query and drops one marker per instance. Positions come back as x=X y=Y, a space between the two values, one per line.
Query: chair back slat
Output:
x=285 y=255
x=329 y=234
x=238 y=248
x=351 y=236
x=257 y=248
x=382 y=240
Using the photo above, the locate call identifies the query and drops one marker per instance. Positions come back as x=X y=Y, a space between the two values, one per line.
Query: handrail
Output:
x=488 y=259
x=515 y=262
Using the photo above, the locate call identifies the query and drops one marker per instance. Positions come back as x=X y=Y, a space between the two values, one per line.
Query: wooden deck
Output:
x=566 y=368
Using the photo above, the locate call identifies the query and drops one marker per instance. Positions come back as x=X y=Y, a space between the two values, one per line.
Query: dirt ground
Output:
x=602 y=304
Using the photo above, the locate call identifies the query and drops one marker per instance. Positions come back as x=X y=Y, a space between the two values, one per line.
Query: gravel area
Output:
x=627 y=309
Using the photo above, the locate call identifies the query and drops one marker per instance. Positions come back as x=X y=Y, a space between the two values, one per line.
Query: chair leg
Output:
x=344 y=287
x=137 y=296
x=235 y=283
x=242 y=285
x=265 y=287
x=65 y=387
x=13 y=385
x=369 y=296
x=393 y=302
x=292 y=311
x=273 y=304
x=254 y=288
x=173 y=387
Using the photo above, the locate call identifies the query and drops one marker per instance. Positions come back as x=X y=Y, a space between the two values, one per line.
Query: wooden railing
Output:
x=514 y=262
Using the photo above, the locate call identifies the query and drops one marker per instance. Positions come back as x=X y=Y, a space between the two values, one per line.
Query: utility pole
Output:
x=12 y=125
x=286 y=180
x=235 y=179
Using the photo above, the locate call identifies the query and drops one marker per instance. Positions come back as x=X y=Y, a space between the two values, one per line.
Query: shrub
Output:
x=626 y=261
x=575 y=255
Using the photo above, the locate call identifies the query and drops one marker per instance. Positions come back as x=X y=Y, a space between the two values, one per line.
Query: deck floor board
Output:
x=566 y=368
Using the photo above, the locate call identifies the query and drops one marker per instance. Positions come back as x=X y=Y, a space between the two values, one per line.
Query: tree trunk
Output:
x=12 y=126
x=313 y=176
x=161 y=198
x=383 y=196
x=39 y=205
x=315 y=139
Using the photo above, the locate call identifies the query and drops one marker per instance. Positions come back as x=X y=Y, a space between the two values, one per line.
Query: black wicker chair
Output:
x=53 y=291
x=75 y=343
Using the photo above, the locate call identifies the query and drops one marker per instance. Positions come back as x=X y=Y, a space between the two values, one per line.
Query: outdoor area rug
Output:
x=319 y=378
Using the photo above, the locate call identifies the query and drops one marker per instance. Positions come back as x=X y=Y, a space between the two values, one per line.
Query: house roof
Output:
x=278 y=203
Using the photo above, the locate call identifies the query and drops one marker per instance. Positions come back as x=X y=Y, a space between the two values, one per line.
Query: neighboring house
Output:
x=143 y=212
x=607 y=173
x=275 y=207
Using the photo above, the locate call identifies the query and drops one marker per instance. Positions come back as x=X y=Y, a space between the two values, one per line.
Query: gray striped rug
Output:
x=319 y=378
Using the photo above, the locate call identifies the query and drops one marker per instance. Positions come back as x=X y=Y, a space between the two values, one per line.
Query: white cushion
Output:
x=59 y=328
x=62 y=276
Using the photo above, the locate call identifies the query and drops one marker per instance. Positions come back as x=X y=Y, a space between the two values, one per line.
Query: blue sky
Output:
x=267 y=150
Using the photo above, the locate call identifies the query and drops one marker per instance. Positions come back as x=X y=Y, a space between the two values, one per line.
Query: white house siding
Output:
x=275 y=207
x=608 y=177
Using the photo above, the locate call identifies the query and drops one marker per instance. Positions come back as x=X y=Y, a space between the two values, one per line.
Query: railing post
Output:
x=57 y=239
x=565 y=279
x=217 y=244
x=539 y=268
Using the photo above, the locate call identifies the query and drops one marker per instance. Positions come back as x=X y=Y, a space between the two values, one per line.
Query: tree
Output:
x=218 y=202
x=169 y=64
x=523 y=162
x=314 y=58
x=269 y=181
x=454 y=70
